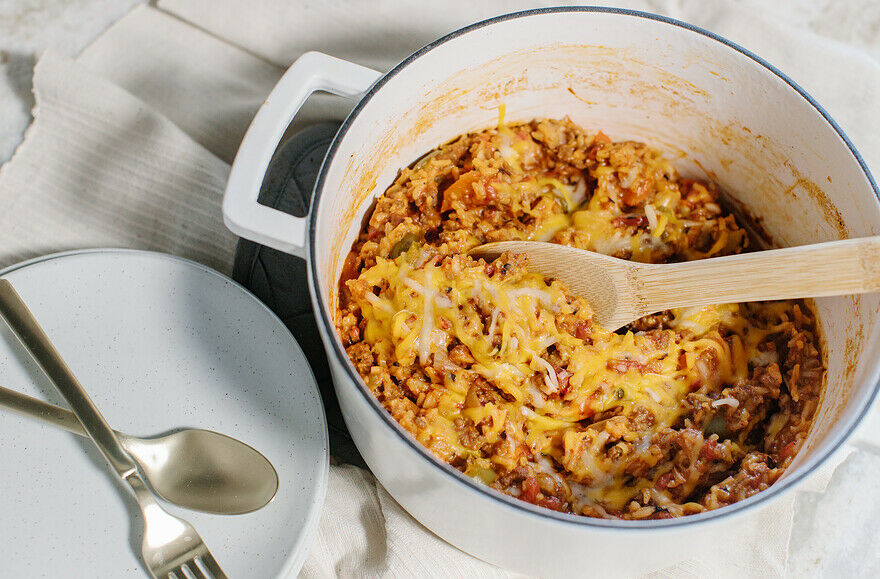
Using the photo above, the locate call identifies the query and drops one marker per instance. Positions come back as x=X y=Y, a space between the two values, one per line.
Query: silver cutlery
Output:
x=192 y=468
x=171 y=547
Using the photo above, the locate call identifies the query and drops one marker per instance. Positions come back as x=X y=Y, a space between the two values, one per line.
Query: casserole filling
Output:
x=502 y=373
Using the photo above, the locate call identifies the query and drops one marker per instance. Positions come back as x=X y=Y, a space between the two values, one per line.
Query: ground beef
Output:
x=504 y=375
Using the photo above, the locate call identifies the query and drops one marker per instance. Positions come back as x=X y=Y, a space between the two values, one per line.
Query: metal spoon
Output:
x=191 y=468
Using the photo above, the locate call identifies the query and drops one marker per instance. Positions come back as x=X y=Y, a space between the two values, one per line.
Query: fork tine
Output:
x=212 y=566
x=193 y=567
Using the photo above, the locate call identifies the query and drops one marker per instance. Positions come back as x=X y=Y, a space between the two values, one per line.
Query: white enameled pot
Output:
x=720 y=112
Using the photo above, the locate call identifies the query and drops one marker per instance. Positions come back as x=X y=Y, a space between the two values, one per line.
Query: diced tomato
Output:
x=461 y=190
x=374 y=233
x=550 y=502
x=583 y=330
x=530 y=490
x=491 y=194
x=637 y=193
x=623 y=366
x=663 y=481
x=622 y=221
x=710 y=450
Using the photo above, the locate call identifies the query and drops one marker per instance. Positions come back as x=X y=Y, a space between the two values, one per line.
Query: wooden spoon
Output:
x=623 y=291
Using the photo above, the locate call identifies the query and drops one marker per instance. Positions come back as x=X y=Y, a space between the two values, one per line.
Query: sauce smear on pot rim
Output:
x=502 y=373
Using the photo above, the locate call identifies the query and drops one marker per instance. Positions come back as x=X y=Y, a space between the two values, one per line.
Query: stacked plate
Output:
x=159 y=343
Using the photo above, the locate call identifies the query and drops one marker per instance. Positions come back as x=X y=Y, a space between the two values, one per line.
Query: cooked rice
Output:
x=503 y=374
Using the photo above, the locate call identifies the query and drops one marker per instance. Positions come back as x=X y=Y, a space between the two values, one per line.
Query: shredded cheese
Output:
x=522 y=312
x=501 y=372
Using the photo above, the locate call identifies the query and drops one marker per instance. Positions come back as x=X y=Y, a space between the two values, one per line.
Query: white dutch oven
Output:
x=716 y=109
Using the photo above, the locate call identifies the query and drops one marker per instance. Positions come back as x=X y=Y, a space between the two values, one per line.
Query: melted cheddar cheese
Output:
x=420 y=311
x=503 y=373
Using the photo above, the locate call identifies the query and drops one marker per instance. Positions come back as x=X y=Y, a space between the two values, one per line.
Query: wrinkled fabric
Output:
x=130 y=147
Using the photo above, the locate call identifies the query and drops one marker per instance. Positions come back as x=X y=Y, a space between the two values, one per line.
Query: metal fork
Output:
x=171 y=547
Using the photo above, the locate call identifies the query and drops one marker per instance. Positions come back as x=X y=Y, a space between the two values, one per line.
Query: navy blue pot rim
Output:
x=458 y=477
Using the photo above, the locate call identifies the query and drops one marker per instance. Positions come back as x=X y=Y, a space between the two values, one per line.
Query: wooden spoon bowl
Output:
x=623 y=291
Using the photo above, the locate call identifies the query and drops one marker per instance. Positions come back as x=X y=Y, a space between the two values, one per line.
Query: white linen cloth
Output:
x=130 y=147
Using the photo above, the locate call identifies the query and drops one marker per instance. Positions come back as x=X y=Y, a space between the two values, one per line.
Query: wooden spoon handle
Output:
x=850 y=266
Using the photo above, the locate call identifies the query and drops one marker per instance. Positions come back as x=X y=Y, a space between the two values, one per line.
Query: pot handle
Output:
x=242 y=214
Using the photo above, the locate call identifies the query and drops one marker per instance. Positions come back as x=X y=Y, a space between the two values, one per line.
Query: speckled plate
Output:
x=159 y=343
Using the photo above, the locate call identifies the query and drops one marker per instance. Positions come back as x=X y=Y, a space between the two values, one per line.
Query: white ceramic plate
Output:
x=159 y=343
